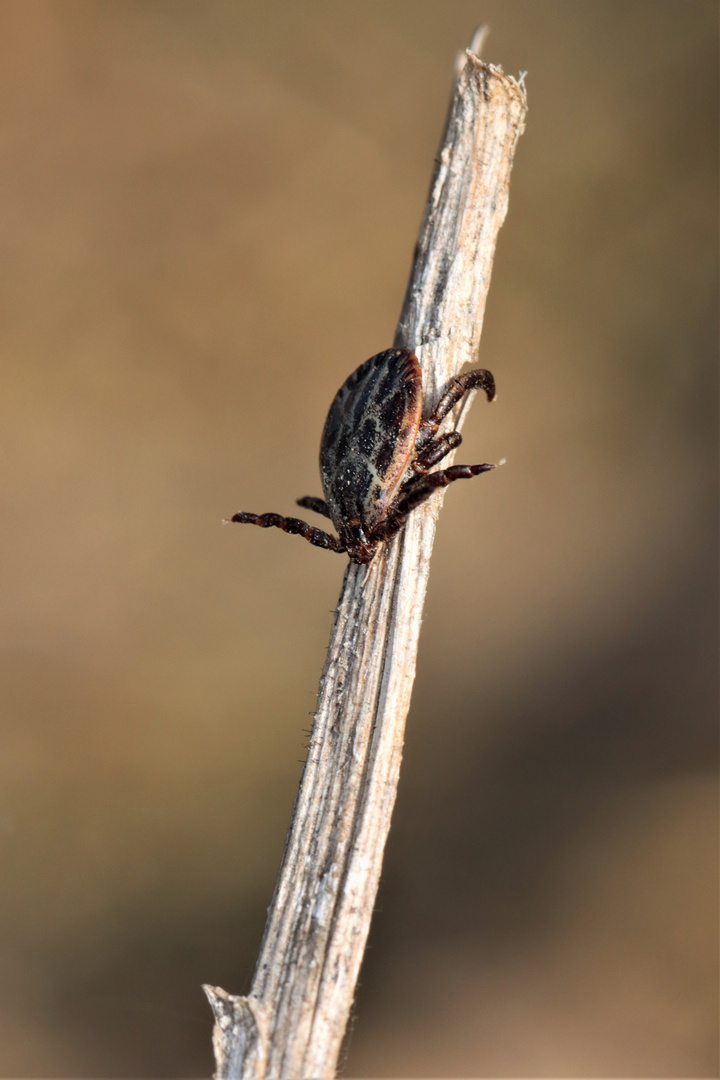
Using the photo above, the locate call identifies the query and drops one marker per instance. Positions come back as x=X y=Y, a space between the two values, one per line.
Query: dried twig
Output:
x=292 y=1022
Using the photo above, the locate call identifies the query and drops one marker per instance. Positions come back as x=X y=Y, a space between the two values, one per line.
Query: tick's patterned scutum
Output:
x=369 y=437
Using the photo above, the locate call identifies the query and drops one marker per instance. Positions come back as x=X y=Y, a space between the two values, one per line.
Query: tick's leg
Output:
x=310 y=502
x=292 y=525
x=456 y=388
x=432 y=452
x=420 y=489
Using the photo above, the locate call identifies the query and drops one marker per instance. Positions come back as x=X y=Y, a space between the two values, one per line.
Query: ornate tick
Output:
x=375 y=454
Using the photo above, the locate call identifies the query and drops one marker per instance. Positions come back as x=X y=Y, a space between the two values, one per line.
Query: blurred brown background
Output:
x=208 y=214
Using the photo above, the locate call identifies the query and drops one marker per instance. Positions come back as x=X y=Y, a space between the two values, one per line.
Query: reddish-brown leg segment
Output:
x=416 y=491
x=292 y=525
x=433 y=452
x=456 y=389
x=311 y=502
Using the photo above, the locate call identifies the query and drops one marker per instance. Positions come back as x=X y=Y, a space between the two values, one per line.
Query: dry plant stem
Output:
x=292 y=1022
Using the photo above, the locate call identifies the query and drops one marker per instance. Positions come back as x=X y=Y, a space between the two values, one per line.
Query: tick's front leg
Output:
x=292 y=525
x=417 y=490
x=433 y=452
x=456 y=389
x=311 y=502
x=420 y=489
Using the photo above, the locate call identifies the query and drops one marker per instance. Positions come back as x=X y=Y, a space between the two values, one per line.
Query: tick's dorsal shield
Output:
x=369 y=437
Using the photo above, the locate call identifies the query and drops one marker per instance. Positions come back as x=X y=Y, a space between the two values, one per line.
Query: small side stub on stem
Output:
x=292 y=1022
x=239 y=1035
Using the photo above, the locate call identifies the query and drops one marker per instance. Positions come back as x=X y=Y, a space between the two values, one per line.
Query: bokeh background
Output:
x=207 y=220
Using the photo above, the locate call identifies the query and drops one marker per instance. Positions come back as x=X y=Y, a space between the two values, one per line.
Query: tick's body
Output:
x=375 y=454
x=367 y=441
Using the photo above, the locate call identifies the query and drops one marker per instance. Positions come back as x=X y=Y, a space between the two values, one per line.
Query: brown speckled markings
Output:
x=368 y=438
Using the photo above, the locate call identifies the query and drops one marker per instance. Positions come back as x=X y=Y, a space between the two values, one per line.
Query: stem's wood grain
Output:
x=292 y=1022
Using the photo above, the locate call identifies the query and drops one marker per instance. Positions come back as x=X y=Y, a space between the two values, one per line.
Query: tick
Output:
x=376 y=453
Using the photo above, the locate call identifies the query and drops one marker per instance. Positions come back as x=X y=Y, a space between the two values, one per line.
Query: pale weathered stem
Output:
x=292 y=1022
